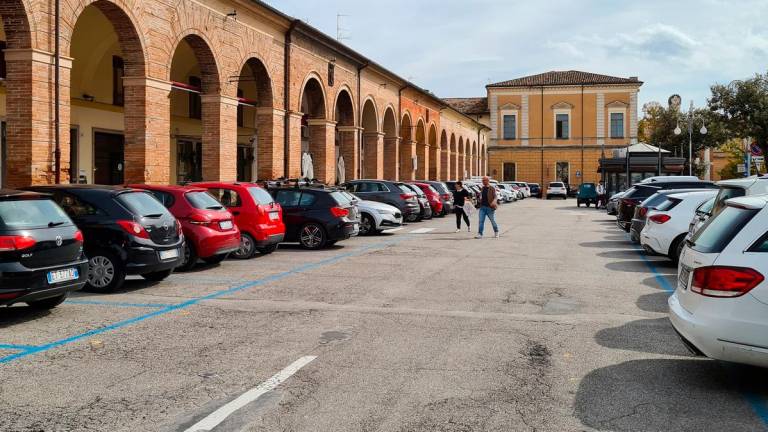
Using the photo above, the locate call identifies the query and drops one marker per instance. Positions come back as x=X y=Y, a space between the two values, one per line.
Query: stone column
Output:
x=322 y=143
x=407 y=152
x=373 y=145
x=270 y=152
x=294 y=145
x=147 y=121
x=350 y=150
x=219 y=138
x=422 y=152
x=391 y=158
x=434 y=163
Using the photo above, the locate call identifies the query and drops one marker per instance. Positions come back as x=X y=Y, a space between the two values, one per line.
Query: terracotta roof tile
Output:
x=561 y=78
x=469 y=106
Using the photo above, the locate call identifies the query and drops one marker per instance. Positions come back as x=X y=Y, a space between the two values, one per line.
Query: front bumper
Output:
x=31 y=285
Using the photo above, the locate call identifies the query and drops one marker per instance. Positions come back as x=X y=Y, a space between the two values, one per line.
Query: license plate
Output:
x=169 y=254
x=63 y=275
x=274 y=216
x=685 y=275
x=225 y=225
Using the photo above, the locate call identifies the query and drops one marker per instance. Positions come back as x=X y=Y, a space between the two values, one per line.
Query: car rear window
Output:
x=440 y=188
x=715 y=235
x=203 y=200
x=260 y=195
x=342 y=199
x=669 y=204
x=642 y=192
x=142 y=204
x=724 y=195
x=761 y=245
x=654 y=201
x=405 y=188
x=38 y=213
x=554 y=185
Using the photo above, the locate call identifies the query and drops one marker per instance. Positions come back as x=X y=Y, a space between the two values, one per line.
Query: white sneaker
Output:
x=478 y=236
x=469 y=229
x=458 y=230
x=496 y=235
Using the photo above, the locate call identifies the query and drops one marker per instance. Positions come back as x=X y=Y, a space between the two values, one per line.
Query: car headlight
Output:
x=384 y=212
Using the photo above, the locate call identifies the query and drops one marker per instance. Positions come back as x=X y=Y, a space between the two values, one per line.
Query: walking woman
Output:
x=460 y=195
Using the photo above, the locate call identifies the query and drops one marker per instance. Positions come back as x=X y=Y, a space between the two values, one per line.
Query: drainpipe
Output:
x=57 y=96
x=360 y=121
x=581 y=179
x=542 y=136
x=287 y=96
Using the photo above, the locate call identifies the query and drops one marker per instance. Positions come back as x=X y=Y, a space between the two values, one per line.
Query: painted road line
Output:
x=217 y=417
x=117 y=304
x=16 y=347
x=392 y=230
x=422 y=230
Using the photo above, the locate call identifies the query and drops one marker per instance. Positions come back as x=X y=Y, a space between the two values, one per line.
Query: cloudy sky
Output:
x=455 y=47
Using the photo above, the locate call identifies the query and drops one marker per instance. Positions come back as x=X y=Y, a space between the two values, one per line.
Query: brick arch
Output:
x=15 y=15
x=444 y=156
x=314 y=84
x=344 y=115
x=389 y=127
x=407 y=148
x=206 y=59
x=422 y=154
x=434 y=153
x=258 y=71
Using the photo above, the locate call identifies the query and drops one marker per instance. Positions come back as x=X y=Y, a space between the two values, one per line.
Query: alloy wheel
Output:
x=246 y=247
x=366 y=225
x=311 y=236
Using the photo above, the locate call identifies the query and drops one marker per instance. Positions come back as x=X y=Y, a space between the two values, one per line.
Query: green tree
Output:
x=741 y=108
x=657 y=127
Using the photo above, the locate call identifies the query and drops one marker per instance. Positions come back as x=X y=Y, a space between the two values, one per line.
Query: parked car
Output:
x=535 y=190
x=41 y=251
x=612 y=207
x=720 y=306
x=557 y=189
x=387 y=192
x=652 y=203
x=126 y=232
x=424 y=205
x=446 y=196
x=316 y=218
x=210 y=232
x=507 y=193
x=668 y=179
x=525 y=188
x=376 y=217
x=257 y=215
x=472 y=193
x=666 y=228
x=700 y=217
x=587 y=195
x=640 y=192
x=739 y=187
x=433 y=197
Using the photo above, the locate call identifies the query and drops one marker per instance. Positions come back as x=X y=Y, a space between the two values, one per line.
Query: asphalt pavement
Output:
x=559 y=325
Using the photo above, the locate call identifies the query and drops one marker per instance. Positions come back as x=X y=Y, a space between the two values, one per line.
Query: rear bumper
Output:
x=270 y=240
x=20 y=287
x=343 y=231
x=215 y=243
x=635 y=229
x=143 y=260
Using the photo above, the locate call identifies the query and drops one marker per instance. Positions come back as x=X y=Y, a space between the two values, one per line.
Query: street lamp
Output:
x=690 y=118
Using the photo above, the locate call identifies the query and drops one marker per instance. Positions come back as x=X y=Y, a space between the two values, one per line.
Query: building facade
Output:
x=150 y=91
x=555 y=126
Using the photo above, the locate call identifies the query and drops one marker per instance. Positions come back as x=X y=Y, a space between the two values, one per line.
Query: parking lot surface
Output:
x=561 y=324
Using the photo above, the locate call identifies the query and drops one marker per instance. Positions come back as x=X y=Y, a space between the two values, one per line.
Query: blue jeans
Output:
x=491 y=214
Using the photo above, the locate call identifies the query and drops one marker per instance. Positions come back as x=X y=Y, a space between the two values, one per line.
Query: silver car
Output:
x=375 y=217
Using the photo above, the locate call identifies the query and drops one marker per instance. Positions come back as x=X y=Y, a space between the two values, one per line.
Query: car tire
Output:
x=46 y=304
x=578 y=203
x=157 y=276
x=105 y=272
x=215 y=259
x=676 y=248
x=312 y=236
x=367 y=225
x=247 y=247
x=190 y=257
x=266 y=250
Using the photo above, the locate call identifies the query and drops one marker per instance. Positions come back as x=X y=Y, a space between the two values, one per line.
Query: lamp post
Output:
x=691 y=117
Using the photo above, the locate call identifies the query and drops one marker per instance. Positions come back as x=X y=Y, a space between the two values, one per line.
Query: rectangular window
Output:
x=189 y=161
x=240 y=110
x=510 y=127
x=510 y=171
x=3 y=72
x=245 y=159
x=118 y=90
x=195 y=102
x=561 y=126
x=617 y=125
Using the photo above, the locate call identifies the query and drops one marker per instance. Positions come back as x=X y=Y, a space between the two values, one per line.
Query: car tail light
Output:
x=446 y=196
x=8 y=296
x=406 y=196
x=178 y=228
x=339 y=212
x=12 y=243
x=643 y=211
x=79 y=236
x=133 y=228
x=199 y=219
x=719 y=281
x=660 y=218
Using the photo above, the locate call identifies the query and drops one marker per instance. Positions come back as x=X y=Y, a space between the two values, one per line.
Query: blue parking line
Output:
x=118 y=304
x=660 y=278
x=37 y=349
x=15 y=347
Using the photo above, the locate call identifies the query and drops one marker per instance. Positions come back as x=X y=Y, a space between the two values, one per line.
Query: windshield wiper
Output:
x=55 y=224
x=154 y=216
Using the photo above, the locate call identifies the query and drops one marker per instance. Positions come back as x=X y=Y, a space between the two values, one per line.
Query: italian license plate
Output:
x=169 y=254
x=274 y=216
x=685 y=274
x=63 y=275
x=225 y=225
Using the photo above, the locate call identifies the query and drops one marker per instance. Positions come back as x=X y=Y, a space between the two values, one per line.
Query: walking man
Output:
x=488 y=204
x=601 y=195
x=460 y=195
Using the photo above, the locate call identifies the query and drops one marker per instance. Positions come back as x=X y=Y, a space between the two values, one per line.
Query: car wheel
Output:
x=578 y=203
x=48 y=303
x=367 y=225
x=266 y=250
x=158 y=275
x=312 y=236
x=216 y=259
x=190 y=257
x=105 y=272
x=676 y=248
x=247 y=247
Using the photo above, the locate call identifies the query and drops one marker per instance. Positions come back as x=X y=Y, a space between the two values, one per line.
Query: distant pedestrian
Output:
x=460 y=198
x=601 y=195
x=487 y=205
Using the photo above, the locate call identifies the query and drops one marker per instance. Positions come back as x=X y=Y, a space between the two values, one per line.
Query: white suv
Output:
x=667 y=227
x=720 y=306
x=557 y=189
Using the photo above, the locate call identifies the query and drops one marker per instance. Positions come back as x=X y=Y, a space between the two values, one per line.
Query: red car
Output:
x=433 y=196
x=258 y=216
x=209 y=229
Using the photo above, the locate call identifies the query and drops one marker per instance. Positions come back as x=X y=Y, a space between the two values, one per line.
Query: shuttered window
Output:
x=617 y=125
x=510 y=127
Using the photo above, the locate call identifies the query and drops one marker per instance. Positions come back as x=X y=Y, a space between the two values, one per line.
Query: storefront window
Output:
x=245 y=158
x=189 y=163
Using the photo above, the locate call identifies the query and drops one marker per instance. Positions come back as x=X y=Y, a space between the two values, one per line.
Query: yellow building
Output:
x=557 y=125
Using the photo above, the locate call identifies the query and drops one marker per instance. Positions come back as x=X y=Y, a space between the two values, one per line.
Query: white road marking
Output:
x=215 y=418
x=391 y=230
x=422 y=230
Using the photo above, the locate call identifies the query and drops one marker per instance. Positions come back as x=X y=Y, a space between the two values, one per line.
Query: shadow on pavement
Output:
x=670 y=395
x=10 y=316
x=615 y=244
x=656 y=302
x=653 y=283
x=640 y=266
x=621 y=254
x=653 y=336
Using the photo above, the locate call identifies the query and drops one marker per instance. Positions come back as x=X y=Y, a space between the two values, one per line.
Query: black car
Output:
x=424 y=207
x=317 y=217
x=650 y=203
x=535 y=190
x=387 y=192
x=127 y=232
x=41 y=251
x=642 y=191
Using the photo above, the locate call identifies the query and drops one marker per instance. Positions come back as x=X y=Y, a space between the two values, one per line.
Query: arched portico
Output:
x=434 y=154
x=346 y=154
x=373 y=142
x=407 y=149
x=391 y=145
x=318 y=133
x=422 y=152
x=445 y=157
x=259 y=148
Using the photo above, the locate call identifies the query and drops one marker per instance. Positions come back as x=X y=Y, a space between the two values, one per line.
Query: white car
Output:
x=720 y=306
x=668 y=179
x=508 y=194
x=703 y=213
x=557 y=189
x=732 y=189
x=667 y=227
x=376 y=217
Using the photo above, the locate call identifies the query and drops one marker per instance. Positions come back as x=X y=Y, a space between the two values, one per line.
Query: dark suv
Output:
x=387 y=192
x=127 y=231
x=642 y=191
x=41 y=251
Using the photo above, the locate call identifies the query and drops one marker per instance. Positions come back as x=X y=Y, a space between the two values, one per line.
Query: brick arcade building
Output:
x=168 y=92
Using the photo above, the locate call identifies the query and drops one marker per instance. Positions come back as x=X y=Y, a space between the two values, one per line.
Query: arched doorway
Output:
x=197 y=133
x=445 y=157
x=407 y=149
x=391 y=145
x=422 y=152
x=315 y=142
x=475 y=159
x=373 y=142
x=434 y=154
x=346 y=151
x=460 y=161
x=256 y=158
x=453 y=155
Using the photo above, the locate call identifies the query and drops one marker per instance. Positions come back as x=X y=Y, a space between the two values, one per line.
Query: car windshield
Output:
x=715 y=235
x=203 y=200
x=143 y=204
x=343 y=199
x=642 y=192
x=260 y=195
x=37 y=213
x=724 y=195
